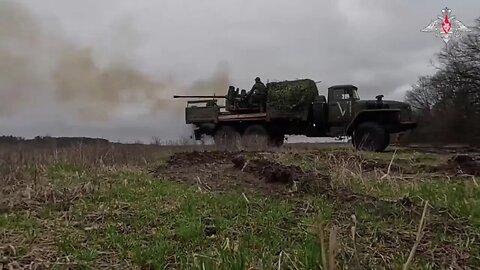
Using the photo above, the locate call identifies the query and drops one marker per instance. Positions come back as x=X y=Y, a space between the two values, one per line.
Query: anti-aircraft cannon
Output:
x=296 y=108
x=235 y=101
x=209 y=101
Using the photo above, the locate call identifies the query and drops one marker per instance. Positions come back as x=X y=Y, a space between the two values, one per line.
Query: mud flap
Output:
x=198 y=135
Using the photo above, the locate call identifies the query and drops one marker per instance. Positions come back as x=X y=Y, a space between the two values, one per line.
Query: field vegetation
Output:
x=190 y=207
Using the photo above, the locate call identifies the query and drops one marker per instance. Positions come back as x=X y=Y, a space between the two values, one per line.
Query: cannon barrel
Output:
x=214 y=96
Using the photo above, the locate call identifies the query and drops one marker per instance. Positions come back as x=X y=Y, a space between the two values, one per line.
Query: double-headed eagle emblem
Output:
x=446 y=26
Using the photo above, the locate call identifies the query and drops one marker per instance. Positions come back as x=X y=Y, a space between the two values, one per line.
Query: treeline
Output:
x=57 y=141
x=447 y=103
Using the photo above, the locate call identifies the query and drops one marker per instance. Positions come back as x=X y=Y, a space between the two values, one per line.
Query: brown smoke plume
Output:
x=216 y=84
x=96 y=92
x=18 y=41
x=32 y=64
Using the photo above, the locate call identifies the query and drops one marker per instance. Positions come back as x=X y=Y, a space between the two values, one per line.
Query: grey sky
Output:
x=376 y=45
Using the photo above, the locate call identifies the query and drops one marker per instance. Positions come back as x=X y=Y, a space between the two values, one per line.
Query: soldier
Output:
x=259 y=93
x=258 y=86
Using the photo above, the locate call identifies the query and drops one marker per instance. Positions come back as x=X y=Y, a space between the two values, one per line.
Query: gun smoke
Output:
x=37 y=64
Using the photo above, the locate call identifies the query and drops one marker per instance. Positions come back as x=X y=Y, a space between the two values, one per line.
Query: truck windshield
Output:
x=355 y=95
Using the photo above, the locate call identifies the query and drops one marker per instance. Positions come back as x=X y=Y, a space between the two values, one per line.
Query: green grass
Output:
x=137 y=221
x=165 y=221
x=159 y=224
x=461 y=197
x=19 y=224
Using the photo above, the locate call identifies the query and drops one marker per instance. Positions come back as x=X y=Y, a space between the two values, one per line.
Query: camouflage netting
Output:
x=291 y=95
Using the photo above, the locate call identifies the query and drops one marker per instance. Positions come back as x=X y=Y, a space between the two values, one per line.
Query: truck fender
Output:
x=383 y=116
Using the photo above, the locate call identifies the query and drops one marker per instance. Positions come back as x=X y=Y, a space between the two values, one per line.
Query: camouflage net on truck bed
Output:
x=291 y=95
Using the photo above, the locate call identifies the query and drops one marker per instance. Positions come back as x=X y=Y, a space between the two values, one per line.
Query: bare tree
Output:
x=448 y=102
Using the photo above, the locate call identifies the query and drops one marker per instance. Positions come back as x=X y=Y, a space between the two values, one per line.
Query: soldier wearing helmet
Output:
x=258 y=93
x=258 y=86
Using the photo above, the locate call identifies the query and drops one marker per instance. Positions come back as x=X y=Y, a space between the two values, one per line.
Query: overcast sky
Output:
x=62 y=61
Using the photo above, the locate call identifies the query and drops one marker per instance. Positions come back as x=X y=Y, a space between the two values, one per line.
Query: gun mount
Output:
x=199 y=96
x=235 y=100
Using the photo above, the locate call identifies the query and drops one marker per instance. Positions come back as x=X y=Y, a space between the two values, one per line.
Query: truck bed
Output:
x=242 y=117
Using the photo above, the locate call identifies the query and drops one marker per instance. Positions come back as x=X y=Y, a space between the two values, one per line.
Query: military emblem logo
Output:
x=446 y=26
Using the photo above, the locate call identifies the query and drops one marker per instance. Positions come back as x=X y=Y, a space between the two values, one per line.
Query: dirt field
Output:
x=297 y=207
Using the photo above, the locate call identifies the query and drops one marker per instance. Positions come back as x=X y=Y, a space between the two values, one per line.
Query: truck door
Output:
x=339 y=106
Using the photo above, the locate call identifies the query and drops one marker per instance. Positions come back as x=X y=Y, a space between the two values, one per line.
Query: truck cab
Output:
x=368 y=122
x=341 y=99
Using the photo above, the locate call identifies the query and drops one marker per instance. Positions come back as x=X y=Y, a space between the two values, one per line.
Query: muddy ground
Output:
x=219 y=171
x=262 y=172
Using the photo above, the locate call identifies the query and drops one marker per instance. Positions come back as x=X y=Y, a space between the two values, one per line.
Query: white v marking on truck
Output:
x=342 y=112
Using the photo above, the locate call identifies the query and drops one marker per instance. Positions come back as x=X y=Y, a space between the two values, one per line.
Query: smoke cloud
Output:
x=18 y=44
x=96 y=92
x=34 y=63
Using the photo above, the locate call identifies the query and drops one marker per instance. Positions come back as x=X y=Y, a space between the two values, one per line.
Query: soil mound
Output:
x=465 y=164
x=195 y=158
x=226 y=171
x=272 y=171
x=219 y=171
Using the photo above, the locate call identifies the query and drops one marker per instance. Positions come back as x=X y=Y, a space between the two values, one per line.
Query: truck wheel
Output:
x=387 y=141
x=370 y=136
x=255 y=136
x=227 y=138
x=277 y=140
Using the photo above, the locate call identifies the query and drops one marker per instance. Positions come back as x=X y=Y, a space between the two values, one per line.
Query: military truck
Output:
x=295 y=107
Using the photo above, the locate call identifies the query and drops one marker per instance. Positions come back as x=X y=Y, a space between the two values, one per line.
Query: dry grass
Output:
x=385 y=191
x=26 y=170
x=92 y=206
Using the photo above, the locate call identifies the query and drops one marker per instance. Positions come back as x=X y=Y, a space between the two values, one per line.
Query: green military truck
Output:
x=296 y=108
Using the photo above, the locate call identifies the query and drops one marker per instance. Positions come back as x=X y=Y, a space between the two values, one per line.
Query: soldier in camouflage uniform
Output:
x=258 y=94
